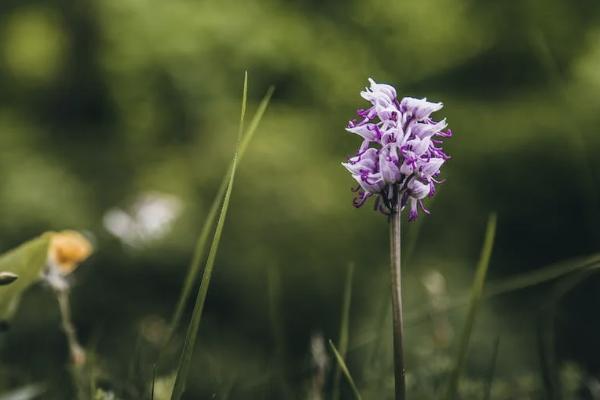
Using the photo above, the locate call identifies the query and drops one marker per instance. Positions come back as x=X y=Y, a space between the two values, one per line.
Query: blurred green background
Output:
x=119 y=117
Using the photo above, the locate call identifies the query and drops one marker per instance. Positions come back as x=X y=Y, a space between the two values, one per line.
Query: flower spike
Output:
x=400 y=156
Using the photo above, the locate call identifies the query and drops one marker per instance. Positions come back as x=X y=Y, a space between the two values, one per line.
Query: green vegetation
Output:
x=120 y=119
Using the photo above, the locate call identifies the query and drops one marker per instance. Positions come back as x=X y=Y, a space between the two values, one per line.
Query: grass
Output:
x=491 y=372
x=344 y=368
x=344 y=329
x=566 y=275
x=201 y=243
x=183 y=367
x=476 y=296
x=536 y=277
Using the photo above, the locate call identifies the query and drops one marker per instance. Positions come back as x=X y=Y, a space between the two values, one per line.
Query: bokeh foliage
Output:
x=103 y=101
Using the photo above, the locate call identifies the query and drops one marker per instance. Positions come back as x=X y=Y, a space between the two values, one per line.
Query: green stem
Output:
x=395 y=270
x=77 y=352
x=78 y=356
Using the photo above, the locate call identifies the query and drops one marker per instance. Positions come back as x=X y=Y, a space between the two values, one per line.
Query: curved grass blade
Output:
x=344 y=328
x=200 y=247
x=519 y=282
x=522 y=281
x=491 y=371
x=476 y=295
x=345 y=371
x=192 y=331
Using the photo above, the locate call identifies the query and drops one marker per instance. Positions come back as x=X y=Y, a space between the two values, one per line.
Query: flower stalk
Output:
x=75 y=349
x=396 y=283
x=398 y=163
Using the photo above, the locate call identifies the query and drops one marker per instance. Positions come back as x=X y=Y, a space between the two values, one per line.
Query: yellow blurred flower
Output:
x=67 y=250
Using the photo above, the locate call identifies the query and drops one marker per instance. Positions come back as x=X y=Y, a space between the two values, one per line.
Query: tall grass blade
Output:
x=344 y=329
x=192 y=331
x=277 y=328
x=476 y=295
x=345 y=371
x=489 y=382
x=200 y=247
x=153 y=385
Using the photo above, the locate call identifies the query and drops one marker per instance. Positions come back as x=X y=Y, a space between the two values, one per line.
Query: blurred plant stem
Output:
x=77 y=353
x=75 y=349
x=395 y=270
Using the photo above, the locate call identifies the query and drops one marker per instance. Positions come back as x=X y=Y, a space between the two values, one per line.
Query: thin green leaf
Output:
x=344 y=329
x=491 y=371
x=200 y=247
x=476 y=295
x=345 y=371
x=192 y=331
x=243 y=113
x=277 y=329
x=27 y=262
x=153 y=385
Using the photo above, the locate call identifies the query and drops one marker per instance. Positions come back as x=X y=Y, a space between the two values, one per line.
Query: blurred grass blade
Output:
x=476 y=295
x=27 y=262
x=192 y=331
x=200 y=247
x=277 y=328
x=522 y=281
x=544 y=341
x=242 y=114
x=345 y=370
x=228 y=388
x=153 y=385
x=344 y=328
x=489 y=382
x=542 y=275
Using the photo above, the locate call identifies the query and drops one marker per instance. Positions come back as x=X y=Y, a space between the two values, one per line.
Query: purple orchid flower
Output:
x=400 y=157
